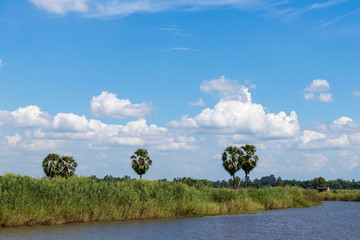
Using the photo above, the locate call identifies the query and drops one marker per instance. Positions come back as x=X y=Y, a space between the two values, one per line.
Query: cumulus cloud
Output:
x=316 y=140
x=177 y=143
x=30 y=116
x=227 y=89
x=62 y=6
x=318 y=90
x=309 y=136
x=326 y=97
x=108 y=105
x=198 y=103
x=70 y=122
x=12 y=140
x=41 y=127
x=342 y=121
x=235 y=113
x=342 y=133
x=318 y=85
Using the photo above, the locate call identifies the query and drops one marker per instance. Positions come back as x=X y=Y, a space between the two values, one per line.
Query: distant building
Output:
x=323 y=189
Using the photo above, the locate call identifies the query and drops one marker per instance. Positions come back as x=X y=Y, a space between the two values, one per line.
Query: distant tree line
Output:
x=234 y=159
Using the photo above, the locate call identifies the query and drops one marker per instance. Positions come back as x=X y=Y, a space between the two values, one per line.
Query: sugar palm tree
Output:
x=68 y=166
x=141 y=161
x=249 y=160
x=51 y=165
x=56 y=166
x=232 y=160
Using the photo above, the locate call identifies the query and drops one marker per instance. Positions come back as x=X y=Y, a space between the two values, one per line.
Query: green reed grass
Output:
x=341 y=195
x=28 y=201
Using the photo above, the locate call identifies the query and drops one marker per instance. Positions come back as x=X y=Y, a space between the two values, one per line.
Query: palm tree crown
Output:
x=249 y=160
x=141 y=161
x=56 y=166
x=232 y=160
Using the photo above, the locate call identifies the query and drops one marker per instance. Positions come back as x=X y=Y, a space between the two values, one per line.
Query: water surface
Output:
x=333 y=220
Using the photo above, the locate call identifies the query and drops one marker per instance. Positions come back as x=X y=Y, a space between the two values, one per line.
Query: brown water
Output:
x=333 y=220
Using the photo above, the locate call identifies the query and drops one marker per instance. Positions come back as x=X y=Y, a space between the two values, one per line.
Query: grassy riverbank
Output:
x=341 y=195
x=28 y=201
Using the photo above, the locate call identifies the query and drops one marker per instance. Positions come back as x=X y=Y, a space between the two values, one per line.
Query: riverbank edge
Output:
x=247 y=211
x=26 y=201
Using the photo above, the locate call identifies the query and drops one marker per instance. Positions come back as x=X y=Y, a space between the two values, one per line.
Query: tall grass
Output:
x=28 y=201
x=341 y=195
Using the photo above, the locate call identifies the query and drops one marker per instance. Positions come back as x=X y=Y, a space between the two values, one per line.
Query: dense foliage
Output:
x=27 y=201
x=268 y=181
x=56 y=166
x=141 y=161
x=235 y=158
x=250 y=160
x=232 y=159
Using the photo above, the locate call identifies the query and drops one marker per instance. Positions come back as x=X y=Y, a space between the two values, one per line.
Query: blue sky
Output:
x=98 y=79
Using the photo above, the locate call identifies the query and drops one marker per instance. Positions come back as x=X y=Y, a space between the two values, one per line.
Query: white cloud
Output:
x=29 y=116
x=326 y=4
x=52 y=131
x=41 y=144
x=321 y=87
x=342 y=121
x=356 y=93
x=177 y=143
x=108 y=105
x=318 y=85
x=235 y=113
x=313 y=161
x=12 y=140
x=198 y=103
x=309 y=136
x=343 y=133
x=1 y=63
x=70 y=122
x=316 y=140
x=227 y=89
x=127 y=7
x=62 y=6
x=326 y=97
x=309 y=96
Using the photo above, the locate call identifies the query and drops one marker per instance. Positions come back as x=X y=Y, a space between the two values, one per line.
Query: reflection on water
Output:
x=333 y=220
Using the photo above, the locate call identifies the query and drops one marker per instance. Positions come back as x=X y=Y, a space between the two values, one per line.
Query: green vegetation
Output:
x=250 y=160
x=341 y=195
x=233 y=163
x=318 y=182
x=28 y=201
x=56 y=166
x=141 y=161
x=239 y=158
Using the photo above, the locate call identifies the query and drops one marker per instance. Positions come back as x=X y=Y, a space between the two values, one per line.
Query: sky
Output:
x=98 y=79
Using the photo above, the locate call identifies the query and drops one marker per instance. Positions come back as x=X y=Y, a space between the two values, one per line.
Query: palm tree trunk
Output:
x=140 y=176
x=245 y=180
x=234 y=181
x=238 y=185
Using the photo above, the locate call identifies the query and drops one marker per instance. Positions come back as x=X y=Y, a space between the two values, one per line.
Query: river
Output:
x=333 y=220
